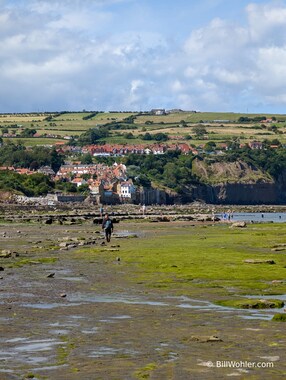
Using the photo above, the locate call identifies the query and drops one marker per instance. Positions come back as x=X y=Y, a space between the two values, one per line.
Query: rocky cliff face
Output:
x=281 y=187
x=237 y=183
x=229 y=172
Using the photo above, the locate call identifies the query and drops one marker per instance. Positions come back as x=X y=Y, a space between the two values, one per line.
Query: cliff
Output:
x=233 y=183
x=238 y=172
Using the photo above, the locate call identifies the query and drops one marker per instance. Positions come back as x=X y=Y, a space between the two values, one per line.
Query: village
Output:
x=110 y=184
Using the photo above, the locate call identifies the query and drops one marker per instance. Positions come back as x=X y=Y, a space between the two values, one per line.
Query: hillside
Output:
x=229 y=172
x=127 y=127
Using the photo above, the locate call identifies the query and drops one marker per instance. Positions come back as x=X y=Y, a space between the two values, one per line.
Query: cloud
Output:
x=100 y=55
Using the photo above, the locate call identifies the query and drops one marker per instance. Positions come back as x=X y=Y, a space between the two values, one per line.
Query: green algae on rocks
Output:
x=252 y=304
x=279 y=317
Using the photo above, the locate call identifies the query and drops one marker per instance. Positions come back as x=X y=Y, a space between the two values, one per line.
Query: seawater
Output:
x=275 y=217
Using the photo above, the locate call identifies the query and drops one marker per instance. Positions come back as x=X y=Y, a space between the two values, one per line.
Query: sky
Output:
x=135 y=55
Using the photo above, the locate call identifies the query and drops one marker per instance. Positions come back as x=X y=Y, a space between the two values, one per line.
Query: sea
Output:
x=275 y=217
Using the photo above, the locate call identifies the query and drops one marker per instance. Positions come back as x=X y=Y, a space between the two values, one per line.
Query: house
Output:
x=47 y=170
x=266 y=121
x=158 y=149
x=158 y=111
x=79 y=181
x=255 y=145
x=184 y=148
x=24 y=171
x=127 y=190
x=96 y=187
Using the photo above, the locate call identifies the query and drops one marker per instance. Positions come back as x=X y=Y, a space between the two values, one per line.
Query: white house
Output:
x=127 y=190
x=79 y=181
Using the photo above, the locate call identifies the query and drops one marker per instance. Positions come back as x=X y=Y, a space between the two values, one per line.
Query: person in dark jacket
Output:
x=107 y=226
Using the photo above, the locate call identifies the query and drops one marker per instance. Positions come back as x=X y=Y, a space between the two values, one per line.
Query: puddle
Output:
x=109 y=351
x=121 y=317
x=75 y=279
x=59 y=332
x=50 y=368
x=37 y=345
x=48 y=305
x=126 y=234
x=266 y=315
x=93 y=330
x=66 y=325
x=16 y=340
x=23 y=350
x=262 y=314
x=79 y=297
x=280 y=297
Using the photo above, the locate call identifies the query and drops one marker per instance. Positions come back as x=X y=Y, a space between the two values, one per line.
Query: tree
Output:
x=147 y=136
x=128 y=135
x=91 y=136
x=86 y=159
x=199 y=131
x=160 y=136
x=210 y=146
x=27 y=132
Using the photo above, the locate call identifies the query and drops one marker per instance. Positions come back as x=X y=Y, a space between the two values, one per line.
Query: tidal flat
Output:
x=177 y=300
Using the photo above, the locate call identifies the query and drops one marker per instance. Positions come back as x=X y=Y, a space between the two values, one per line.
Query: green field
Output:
x=35 y=141
x=219 y=126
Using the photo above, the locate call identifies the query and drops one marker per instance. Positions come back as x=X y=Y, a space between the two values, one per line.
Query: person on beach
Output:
x=107 y=226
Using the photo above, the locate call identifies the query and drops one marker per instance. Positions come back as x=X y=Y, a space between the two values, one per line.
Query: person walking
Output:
x=107 y=226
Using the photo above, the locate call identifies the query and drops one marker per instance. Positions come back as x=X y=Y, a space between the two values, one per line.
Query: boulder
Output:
x=238 y=225
x=205 y=339
x=63 y=244
x=254 y=261
x=5 y=253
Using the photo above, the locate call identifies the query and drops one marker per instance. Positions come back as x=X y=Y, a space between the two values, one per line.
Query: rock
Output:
x=238 y=225
x=63 y=295
x=51 y=275
x=1 y=269
x=253 y=261
x=72 y=246
x=5 y=253
x=205 y=339
x=49 y=221
x=109 y=250
x=278 y=249
x=279 y=317
x=63 y=244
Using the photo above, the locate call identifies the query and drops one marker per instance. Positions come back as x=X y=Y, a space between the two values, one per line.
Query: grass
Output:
x=21 y=262
x=211 y=257
x=35 y=141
